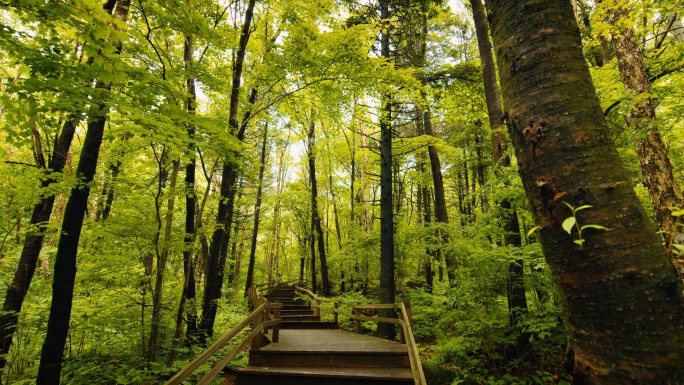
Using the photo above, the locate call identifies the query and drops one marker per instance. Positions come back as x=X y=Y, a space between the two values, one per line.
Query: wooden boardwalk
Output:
x=310 y=351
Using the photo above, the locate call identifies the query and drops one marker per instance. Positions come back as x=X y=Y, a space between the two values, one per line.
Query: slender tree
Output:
x=257 y=211
x=218 y=252
x=65 y=262
x=33 y=243
x=316 y=229
x=386 y=214
x=515 y=282
x=619 y=291
x=656 y=168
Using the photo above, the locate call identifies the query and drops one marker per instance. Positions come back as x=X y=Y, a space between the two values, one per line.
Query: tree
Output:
x=618 y=287
x=515 y=283
x=656 y=168
x=65 y=262
x=316 y=238
x=221 y=236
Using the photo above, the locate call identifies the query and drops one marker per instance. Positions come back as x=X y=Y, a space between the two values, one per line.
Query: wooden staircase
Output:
x=310 y=351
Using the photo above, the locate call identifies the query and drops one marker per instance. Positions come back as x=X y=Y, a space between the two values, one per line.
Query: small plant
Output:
x=673 y=246
x=571 y=222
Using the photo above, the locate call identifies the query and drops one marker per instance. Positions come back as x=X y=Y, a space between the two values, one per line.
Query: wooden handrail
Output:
x=261 y=318
x=403 y=320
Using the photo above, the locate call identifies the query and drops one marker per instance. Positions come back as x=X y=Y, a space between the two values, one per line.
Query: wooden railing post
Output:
x=258 y=322
x=409 y=311
x=318 y=307
x=337 y=307
x=276 y=327
x=358 y=321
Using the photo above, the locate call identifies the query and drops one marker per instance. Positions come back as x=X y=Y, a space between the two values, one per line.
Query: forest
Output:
x=515 y=168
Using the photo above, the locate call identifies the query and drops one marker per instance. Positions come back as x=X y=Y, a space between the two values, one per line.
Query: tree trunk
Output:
x=158 y=294
x=214 y=278
x=385 y=330
x=515 y=280
x=620 y=294
x=656 y=168
x=16 y=292
x=189 y=285
x=316 y=229
x=257 y=212
x=50 y=367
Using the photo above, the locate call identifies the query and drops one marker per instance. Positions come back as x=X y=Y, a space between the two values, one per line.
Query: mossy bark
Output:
x=621 y=298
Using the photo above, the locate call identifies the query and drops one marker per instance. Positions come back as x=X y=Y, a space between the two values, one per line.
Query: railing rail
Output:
x=404 y=320
x=260 y=316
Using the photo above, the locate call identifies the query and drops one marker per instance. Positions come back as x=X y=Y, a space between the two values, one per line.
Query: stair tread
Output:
x=330 y=372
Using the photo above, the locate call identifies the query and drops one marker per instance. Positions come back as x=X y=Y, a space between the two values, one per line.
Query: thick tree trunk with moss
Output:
x=656 y=168
x=620 y=295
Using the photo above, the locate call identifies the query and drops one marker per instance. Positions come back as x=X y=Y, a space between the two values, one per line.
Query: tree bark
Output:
x=656 y=168
x=218 y=252
x=619 y=292
x=257 y=213
x=387 y=288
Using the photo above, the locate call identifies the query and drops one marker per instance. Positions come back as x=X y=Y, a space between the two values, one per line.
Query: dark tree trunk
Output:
x=257 y=212
x=620 y=294
x=387 y=289
x=220 y=238
x=33 y=243
x=316 y=229
x=50 y=367
x=441 y=213
x=189 y=285
x=656 y=169
x=515 y=281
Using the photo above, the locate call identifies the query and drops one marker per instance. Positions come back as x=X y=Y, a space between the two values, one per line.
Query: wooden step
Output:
x=308 y=325
x=280 y=358
x=299 y=317
x=288 y=311
x=255 y=375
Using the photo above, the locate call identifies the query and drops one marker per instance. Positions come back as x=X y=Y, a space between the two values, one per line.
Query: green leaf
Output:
x=583 y=207
x=678 y=213
x=568 y=223
x=579 y=241
x=532 y=230
x=599 y=227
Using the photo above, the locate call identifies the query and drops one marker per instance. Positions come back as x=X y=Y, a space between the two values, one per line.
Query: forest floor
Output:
x=228 y=378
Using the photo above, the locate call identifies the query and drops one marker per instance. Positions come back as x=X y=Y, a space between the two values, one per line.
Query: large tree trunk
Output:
x=621 y=297
x=316 y=229
x=257 y=213
x=50 y=367
x=515 y=280
x=386 y=215
x=656 y=168
x=217 y=262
